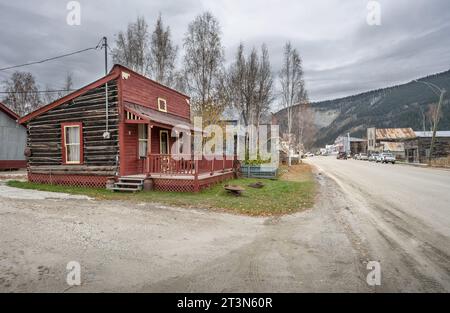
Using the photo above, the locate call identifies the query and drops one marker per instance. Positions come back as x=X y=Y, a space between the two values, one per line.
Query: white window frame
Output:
x=161 y=100
x=143 y=140
x=72 y=144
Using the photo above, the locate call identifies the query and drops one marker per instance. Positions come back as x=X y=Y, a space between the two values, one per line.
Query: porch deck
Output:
x=183 y=173
x=175 y=177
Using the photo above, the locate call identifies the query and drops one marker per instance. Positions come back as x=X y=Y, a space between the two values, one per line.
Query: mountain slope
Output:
x=406 y=105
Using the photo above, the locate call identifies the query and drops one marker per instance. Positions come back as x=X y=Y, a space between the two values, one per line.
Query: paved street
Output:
x=404 y=213
x=364 y=212
x=421 y=193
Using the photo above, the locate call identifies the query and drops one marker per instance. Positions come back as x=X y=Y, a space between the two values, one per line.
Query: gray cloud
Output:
x=342 y=55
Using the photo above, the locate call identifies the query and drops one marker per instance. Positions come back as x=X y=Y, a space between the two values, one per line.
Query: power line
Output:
x=53 y=58
x=38 y=91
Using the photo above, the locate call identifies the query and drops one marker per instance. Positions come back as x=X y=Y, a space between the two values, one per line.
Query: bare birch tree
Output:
x=132 y=47
x=162 y=54
x=250 y=87
x=432 y=114
x=22 y=93
x=203 y=63
x=293 y=89
x=68 y=85
x=251 y=84
x=50 y=95
x=265 y=89
x=179 y=81
x=235 y=81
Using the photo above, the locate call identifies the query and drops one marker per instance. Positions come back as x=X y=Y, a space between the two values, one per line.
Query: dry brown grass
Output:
x=299 y=173
x=441 y=162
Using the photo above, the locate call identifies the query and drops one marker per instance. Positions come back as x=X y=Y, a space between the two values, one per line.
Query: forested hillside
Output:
x=407 y=105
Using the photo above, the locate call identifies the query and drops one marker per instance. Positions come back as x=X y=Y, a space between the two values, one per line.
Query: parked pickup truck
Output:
x=387 y=158
x=373 y=157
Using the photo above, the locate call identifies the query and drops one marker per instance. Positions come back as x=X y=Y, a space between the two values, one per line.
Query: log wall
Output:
x=441 y=148
x=101 y=156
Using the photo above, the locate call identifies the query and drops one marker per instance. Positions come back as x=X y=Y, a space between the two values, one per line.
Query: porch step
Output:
x=131 y=179
x=131 y=184
x=121 y=183
x=126 y=189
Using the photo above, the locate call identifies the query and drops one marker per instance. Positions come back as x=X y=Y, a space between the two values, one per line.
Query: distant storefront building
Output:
x=389 y=140
x=417 y=150
x=350 y=145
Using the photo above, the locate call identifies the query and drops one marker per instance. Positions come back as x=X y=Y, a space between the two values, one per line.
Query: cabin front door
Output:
x=164 y=142
x=142 y=146
x=164 y=150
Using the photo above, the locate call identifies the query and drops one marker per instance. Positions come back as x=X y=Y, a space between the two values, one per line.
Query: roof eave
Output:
x=120 y=66
x=9 y=112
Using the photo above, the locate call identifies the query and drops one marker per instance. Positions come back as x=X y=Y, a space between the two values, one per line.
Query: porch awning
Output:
x=158 y=117
x=393 y=146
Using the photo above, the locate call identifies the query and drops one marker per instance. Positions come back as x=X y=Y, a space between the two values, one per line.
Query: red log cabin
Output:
x=120 y=127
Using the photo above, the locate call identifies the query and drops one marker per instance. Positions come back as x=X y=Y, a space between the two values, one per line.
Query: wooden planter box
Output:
x=258 y=171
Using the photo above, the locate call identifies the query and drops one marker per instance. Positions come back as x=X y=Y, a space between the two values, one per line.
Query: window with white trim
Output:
x=143 y=140
x=162 y=105
x=72 y=144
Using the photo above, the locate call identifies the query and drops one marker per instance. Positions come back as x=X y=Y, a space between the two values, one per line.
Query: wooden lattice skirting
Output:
x=187 y=185
x=69 y=180
x=160 y=184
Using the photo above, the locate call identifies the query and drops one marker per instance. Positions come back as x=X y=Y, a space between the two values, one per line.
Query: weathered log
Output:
x=73 y=167
x=44 y=134
x=100 y=173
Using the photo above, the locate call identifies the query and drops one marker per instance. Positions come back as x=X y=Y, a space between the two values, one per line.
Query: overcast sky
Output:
x=342 y=54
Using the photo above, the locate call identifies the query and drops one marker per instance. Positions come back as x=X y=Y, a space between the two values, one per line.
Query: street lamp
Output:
x=440 y=92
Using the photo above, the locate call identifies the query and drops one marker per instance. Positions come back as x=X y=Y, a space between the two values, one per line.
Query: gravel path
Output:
x=125 y=246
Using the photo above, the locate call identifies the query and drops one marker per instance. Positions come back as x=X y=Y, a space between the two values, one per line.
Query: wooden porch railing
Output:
x=186 y=165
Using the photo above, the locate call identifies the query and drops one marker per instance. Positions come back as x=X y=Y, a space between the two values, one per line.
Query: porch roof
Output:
x=393 y=146
x=158 y=117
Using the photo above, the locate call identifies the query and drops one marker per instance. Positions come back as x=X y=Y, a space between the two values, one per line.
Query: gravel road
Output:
x=404 y=215
x=144 y=247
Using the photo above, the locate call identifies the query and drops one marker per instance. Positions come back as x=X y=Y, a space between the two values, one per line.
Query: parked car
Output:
x=342 y=156
x=379 y=158
x=309 y=154
x=387 y=158
x=373 y=157
x=363 y=157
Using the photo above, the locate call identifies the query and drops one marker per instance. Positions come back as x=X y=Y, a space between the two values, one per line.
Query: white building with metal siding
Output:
x=13 y=138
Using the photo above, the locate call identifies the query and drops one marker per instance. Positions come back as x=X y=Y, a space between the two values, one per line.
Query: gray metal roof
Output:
x=442 y=133
x=354 y=139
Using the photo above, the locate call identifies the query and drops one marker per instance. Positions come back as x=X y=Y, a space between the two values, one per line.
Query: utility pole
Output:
x=105 y=45
x=441 y=94
x=349 y=145
x=436 y=121
x=106 y=134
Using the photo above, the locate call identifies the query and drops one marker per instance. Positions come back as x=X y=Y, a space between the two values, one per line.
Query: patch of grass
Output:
x=99 y=193
x=276 y=197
